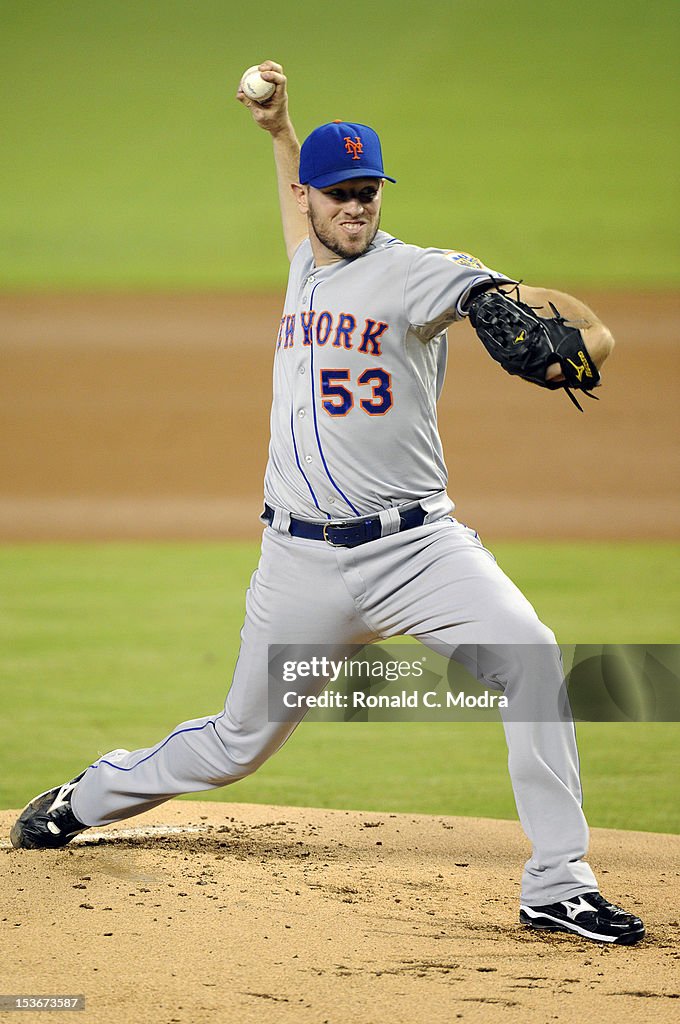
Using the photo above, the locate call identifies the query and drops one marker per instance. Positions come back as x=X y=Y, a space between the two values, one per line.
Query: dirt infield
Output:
x=250 y=914
x=147 y=416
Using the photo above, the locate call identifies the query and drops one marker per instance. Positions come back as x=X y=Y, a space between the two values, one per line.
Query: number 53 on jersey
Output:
x=373 y=389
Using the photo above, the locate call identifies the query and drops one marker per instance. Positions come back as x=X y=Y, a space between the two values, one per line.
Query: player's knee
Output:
x=241 y=752
x=523 y=626
x=528 y=652
x=249 y=764
x=233 y=771
x=536 y=632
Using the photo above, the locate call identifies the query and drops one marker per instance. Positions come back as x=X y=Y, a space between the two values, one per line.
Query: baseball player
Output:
x=360 y=543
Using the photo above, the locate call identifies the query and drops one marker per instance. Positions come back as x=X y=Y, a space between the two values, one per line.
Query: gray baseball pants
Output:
x=436 y=583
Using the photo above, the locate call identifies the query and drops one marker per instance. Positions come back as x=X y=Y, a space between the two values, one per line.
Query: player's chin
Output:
x=355 y=244
x=351 y=252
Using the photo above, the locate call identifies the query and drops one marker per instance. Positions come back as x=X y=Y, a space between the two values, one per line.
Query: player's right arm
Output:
x=273 y=117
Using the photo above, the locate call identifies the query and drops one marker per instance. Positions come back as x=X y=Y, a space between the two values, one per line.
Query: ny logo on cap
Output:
x=353 y=146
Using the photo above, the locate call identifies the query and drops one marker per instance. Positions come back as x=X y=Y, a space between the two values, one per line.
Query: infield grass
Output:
x=542 y=138
x=107 y=645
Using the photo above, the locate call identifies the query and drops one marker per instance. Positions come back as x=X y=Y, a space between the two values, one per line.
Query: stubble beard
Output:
x=345 y=252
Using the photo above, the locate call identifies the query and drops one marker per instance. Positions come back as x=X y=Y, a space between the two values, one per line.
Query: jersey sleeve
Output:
x=438 y=285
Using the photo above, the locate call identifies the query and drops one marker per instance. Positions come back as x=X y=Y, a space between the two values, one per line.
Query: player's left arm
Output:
x=597 y=337
x=544 y=336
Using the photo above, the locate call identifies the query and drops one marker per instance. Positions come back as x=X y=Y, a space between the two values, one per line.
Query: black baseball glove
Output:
x=526 y=344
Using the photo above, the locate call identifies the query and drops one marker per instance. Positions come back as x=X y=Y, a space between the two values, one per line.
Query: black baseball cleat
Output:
x=48 y=821
x=588 y=915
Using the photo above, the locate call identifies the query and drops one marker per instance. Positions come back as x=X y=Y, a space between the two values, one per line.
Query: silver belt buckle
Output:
x=327 y=538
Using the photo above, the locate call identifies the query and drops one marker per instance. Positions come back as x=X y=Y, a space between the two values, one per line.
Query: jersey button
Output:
x=308 y=458
x=302 y=414
x=301 y=369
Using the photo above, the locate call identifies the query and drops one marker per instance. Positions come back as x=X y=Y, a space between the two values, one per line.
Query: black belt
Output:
x=351 y=533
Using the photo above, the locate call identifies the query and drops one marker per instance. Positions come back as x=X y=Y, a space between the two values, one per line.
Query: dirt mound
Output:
x=204 y=912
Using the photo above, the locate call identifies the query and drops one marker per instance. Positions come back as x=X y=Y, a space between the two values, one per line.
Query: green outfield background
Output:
x=113 y=645
x=540 y=136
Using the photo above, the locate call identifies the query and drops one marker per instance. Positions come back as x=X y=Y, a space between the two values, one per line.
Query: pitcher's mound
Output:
x=203 y=911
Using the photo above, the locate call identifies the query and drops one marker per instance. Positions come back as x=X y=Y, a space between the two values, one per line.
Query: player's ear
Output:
x=300 y=193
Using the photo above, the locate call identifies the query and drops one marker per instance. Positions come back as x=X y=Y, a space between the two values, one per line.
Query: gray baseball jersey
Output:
x=359 y=366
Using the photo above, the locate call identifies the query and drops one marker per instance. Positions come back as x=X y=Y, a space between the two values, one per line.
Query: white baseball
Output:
x=255 y=86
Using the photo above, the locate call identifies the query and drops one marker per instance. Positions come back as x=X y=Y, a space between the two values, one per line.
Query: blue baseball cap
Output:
x=339 y=151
